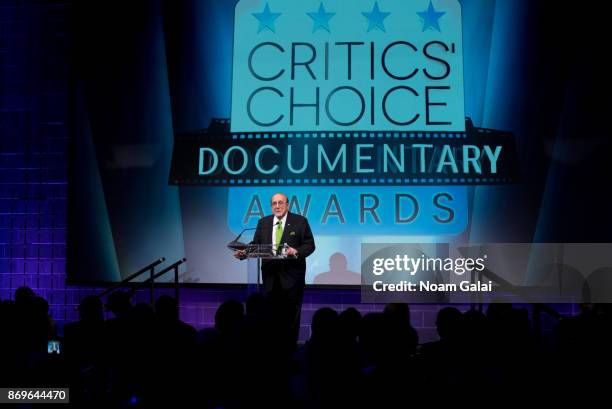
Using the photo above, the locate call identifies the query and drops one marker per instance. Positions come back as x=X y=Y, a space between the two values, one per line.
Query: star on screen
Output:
x=430 y=17
x=376 y=18
x=321 y=19
x=266 y=19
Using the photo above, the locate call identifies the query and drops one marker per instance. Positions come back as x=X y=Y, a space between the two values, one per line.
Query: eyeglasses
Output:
x=280 y=203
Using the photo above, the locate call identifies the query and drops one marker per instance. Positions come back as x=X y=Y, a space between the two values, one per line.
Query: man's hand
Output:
x=292 y=252
x=240 y=254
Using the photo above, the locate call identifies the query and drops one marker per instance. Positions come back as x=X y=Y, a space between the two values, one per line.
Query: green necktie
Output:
x=279 y=235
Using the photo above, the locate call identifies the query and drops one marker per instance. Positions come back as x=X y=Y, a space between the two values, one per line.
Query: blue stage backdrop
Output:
x=73 y=74
x=382 y=120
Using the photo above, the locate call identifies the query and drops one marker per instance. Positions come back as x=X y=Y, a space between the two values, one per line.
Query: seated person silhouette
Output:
x=338 y=273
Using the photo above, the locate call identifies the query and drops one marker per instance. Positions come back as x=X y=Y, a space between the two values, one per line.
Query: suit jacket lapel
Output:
x=269 y=229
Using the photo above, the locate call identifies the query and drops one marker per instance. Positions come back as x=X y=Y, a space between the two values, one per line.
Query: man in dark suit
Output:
x=283 y=280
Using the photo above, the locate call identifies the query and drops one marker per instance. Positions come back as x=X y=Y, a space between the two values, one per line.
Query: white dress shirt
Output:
x=275 y=228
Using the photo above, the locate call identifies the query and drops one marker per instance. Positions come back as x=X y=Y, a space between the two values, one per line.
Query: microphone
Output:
x=235 y=244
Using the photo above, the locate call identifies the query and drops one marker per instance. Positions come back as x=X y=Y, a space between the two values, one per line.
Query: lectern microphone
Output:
x=237 y=245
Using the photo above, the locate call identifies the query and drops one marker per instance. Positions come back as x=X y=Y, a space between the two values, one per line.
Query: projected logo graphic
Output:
x=338 y=65
x=364 y=96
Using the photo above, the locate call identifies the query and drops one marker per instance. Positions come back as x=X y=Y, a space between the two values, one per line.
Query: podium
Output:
x=258 y=252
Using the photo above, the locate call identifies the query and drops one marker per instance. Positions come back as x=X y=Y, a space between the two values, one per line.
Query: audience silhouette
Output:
x=145 y=356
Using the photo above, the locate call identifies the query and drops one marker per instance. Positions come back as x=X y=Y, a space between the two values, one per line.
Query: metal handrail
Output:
x=151 y=279
x=512 y=288
x=538 y=307
x=174 y=266
x=150 y=267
